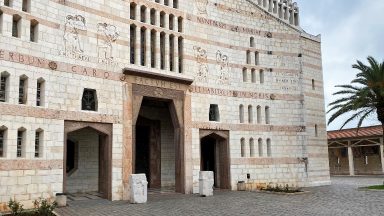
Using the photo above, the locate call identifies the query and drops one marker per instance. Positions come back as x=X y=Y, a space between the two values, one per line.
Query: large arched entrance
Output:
x=87 y=159
x=214 y=156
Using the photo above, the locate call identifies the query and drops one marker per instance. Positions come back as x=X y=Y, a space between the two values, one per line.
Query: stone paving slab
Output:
x=341 y=198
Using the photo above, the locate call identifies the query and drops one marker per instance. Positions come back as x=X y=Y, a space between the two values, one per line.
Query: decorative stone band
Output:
x=243 y=94
x=27 y=111
x=264 y=161
x=20 y=164
x=248 y=127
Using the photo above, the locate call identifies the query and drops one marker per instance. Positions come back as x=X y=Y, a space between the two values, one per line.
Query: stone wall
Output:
x=86 y=177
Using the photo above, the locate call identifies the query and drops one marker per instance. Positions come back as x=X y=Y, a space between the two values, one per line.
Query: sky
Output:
x=350 y=30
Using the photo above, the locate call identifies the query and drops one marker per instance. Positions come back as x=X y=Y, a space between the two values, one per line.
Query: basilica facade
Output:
x=94 y=91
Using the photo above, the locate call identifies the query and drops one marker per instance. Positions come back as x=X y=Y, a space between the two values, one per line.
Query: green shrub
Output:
x=16 y=207
x=44 y=207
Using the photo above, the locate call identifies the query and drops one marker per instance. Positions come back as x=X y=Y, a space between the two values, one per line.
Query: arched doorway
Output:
x=87 y=159
x=214 y=156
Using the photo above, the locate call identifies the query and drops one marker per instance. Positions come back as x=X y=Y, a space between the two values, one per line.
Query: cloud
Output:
x=350 y=30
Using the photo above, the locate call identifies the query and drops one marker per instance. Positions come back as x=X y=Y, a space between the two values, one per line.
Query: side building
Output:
x=93 y=91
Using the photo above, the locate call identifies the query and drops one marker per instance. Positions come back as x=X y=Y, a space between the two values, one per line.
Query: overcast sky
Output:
x=350 y=30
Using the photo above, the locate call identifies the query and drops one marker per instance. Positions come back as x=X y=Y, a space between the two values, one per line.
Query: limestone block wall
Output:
x=29 y=177
x=86 y=176
x=313 y=89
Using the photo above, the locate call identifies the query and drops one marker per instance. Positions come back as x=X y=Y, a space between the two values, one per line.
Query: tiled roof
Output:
x=353 y=133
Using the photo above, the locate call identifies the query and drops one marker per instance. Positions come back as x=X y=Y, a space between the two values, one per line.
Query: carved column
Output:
x=167 y=56
x=161 y=1
x=176 y=54
x=166 y=21
x=137 y=46
x=157 y=51
x=291 y=16
x=148 y=48
x=297 y=19
x=138 y=12
x=350 y=160
x=275 y=6
x=170 y=2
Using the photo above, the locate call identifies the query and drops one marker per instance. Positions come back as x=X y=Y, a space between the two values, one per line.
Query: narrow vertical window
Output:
x=252 y=42
x=153 y=17
x=257 y=58
x=267 y=120
x=4 y=86
x=16 y=26
x=248 y=57
x=26 y=7
x=8 y=3
x=214 y=114
x=40 y=89
x=175 y=4
x=258 y=114
x=269 y=148
x=251 y=147
x=38 y=142
x=20 y=142
x=260 y=145
x=180 y=24
x=242 y=143
x=162 y=50
x=181 y=54
x=143 y=42
x=143 y=14
x=241 y=113
x=166 y=2
x=132 y=10
x=313 y=84
x=261 y=76
x=132 y=43
x=3 y=138
x=171 y=52
x=245 y=77
x=23 y=87
x=316 y=131
x=253 y=76
x=250 y=114
x=162 y=19
x=171 y=21
x=1 y=21
x=34 y=31
x=89 y=100
x=153 y=48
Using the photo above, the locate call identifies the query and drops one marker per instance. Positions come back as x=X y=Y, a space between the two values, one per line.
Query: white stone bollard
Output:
x=206 y=182
x=61 y=200
x=138 y=184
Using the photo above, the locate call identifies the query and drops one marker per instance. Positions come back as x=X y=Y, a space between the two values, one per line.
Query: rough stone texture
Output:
x=138 y=188
x=206 y=182
x=341 y=198
x=71 y=55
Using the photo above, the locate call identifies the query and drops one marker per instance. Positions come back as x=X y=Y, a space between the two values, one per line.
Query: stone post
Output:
x=206 y=183
x=138 y=184
x=350 y=160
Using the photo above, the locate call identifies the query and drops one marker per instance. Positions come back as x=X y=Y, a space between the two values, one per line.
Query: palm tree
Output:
x=364 y=98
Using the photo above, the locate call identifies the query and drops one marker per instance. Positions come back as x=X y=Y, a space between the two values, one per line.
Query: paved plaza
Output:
x=341 y=198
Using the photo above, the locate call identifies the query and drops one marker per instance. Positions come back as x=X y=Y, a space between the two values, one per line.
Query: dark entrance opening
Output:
x=142 y=150
x=208 y=159
x=214 y=156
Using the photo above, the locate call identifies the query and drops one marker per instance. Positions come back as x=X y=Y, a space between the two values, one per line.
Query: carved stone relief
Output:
x=104 y=43
x=72 y=44
x=201 y=6
x=223 y=67
x=201 y=59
